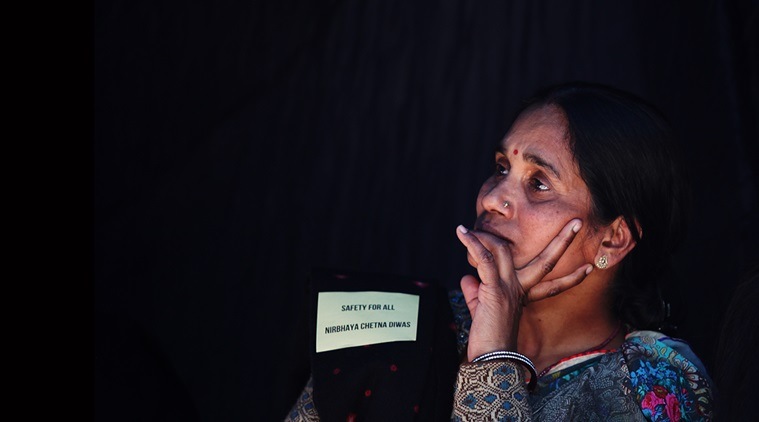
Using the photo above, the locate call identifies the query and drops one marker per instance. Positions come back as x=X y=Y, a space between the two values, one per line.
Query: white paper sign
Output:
x=349 y=319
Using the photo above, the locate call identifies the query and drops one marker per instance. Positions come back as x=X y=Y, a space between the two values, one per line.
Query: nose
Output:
x=496 y=198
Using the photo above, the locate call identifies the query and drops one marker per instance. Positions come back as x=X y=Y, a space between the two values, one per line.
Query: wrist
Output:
x=507 y=355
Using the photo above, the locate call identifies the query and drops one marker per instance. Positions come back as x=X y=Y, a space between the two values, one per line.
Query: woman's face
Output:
x=537 y=174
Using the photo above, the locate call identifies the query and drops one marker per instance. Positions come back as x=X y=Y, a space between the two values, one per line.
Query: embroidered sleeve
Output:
x=304 y=409
x=667 y=385
x=493 y=390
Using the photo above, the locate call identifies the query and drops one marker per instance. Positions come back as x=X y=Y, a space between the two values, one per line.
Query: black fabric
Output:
x=236 y=144
x=396 y=381
x=134 y=379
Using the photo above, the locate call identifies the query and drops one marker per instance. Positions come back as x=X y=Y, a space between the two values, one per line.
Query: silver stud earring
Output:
x=602 y=262
x=505 y=204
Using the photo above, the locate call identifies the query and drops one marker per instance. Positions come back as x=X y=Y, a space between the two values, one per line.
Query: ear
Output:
x=616 y=243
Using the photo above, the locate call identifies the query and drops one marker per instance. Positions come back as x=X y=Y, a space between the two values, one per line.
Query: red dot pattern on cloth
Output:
x=416 y=408
x=516 y=152
x=393 y=368
x=335 y=371
x=351 y=417
x=367 y=393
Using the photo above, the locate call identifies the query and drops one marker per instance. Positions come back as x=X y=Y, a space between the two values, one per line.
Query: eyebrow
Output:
x=532 y=158
x=539 y=161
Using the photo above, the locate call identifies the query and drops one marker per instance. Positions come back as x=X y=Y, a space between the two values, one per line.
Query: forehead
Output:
x=541 y=127
x=541 y=132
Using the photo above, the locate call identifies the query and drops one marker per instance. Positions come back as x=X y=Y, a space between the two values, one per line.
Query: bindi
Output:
x=516 y=152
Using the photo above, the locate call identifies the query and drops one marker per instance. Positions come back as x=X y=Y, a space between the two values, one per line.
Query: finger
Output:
x=548 y=288
x=484 y=260
x=544 y=263
x=470 y=286
x=500 y=250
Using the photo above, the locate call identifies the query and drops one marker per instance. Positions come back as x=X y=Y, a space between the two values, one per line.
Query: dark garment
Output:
x=398 y=381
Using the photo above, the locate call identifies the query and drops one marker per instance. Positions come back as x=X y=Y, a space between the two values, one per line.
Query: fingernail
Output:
x=462 y=229
x=576 y=227
x=588 y=270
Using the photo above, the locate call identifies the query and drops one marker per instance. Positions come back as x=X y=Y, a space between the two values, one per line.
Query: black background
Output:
x=238 y=144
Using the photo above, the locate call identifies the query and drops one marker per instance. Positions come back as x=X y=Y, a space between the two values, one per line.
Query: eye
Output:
x=537 y=185
x=500 y=170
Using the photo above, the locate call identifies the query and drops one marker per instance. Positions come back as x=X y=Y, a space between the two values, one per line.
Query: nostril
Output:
x=496 y=203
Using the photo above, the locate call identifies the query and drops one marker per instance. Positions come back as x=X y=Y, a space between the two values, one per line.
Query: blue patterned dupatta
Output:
x=651 y=376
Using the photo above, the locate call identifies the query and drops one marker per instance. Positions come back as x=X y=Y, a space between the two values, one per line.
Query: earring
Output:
x=505 y=204
x=602 y=262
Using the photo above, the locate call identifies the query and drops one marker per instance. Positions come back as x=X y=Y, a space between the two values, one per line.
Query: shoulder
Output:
x=668 y=379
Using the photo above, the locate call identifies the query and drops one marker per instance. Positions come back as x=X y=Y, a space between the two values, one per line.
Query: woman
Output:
x=595 y=166
x=571 y=245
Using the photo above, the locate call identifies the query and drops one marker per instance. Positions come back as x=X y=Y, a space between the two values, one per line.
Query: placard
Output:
x=349 y=319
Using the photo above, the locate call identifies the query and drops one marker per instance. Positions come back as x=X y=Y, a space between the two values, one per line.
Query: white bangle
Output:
x=509 y=355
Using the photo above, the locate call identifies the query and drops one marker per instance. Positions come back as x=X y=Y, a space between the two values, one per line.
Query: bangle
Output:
x=509 y=355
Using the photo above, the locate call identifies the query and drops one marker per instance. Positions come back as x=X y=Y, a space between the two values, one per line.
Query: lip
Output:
x=484 y=225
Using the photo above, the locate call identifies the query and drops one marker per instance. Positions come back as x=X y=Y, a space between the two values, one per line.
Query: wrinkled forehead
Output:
x=542 y=115
x=541 y=126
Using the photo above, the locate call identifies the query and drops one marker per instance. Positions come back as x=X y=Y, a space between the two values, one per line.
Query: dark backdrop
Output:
x=237 y=144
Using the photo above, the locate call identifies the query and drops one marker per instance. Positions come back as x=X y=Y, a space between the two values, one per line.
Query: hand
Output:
x=496 y=302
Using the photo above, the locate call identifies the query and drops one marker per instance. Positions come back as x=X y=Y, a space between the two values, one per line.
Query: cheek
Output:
x=540 y=228
x=537 y=235
x=579 y=253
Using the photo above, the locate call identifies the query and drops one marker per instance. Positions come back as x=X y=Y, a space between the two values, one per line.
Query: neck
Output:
x=555 y=328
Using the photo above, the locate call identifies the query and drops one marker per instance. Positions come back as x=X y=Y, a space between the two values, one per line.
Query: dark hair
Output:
x=626 y=155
